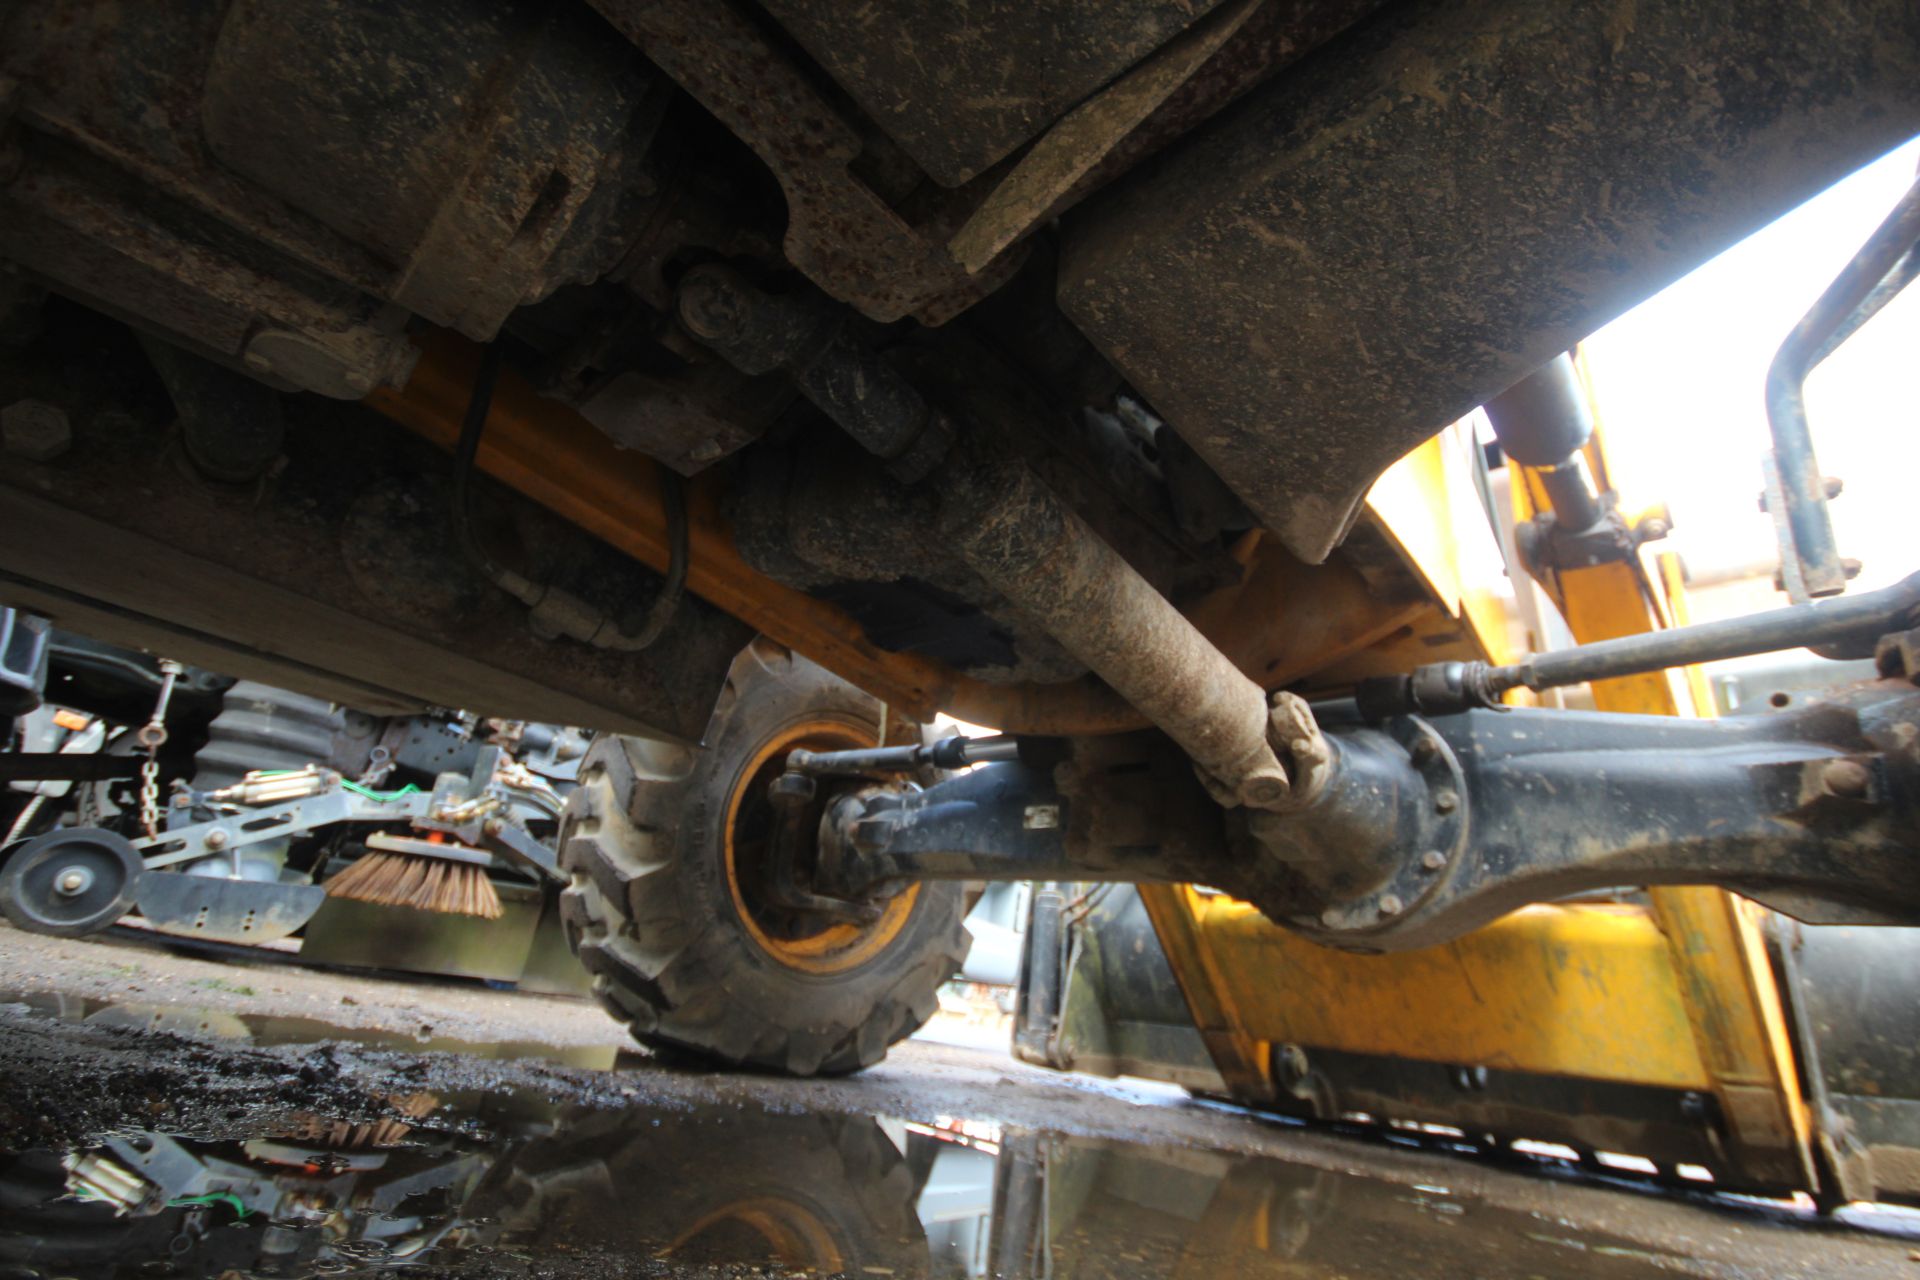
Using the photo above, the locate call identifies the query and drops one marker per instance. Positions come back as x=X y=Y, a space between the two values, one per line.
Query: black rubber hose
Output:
x=479 y=405
x=667 y=603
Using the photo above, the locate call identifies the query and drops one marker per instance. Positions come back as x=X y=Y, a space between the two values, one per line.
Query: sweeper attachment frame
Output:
x=273 y=802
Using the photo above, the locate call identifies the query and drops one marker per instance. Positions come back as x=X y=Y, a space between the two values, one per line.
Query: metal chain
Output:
x=152 y=736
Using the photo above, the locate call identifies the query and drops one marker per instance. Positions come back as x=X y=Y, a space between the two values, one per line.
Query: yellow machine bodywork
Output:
x=1671 y=990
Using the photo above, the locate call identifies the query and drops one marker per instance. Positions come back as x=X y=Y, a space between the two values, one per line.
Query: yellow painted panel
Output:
x=1583 y=990
x=1427 y=506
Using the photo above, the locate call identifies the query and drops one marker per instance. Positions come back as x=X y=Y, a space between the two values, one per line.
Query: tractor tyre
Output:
x=665 y=849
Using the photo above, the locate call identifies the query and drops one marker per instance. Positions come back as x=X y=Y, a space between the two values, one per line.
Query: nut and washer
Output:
x=35 y=430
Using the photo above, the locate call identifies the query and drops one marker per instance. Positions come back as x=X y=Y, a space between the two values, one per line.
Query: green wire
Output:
x=216 y=1197
x=371 y=794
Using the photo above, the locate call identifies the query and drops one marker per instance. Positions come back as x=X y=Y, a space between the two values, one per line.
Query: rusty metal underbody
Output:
x=548 y=453
x=1208 y=359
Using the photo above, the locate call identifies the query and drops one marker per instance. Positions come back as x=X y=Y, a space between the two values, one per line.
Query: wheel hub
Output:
x=807 y=941
x=73 y=881
x=70 y=882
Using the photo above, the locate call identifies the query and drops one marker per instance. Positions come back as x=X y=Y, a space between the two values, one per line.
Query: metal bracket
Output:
x=465 y=808
x=277 y=822
x=1774 y=499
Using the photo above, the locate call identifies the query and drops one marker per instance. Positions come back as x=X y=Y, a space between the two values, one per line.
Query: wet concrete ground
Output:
x=166 y=1116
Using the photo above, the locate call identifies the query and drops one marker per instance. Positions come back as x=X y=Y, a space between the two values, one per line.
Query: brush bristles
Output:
x=424 y=884
x=344 y=1134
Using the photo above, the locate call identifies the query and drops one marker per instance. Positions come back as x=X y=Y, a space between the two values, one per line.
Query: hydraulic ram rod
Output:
x=1861 y=618
x=1849 y=621
x=947 y=753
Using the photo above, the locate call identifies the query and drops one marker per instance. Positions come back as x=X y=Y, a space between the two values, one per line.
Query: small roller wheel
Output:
x=668 y=901
x=71 y=882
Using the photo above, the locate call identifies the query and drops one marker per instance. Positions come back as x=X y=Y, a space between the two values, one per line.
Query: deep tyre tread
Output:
x=648 y=910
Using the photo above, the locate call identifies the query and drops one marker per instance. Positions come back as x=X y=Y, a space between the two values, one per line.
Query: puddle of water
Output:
x=513 y=1183
x=577 y=1192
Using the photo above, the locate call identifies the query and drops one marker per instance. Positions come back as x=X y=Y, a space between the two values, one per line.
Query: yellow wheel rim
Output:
x=792 y=1232
x=813 y=947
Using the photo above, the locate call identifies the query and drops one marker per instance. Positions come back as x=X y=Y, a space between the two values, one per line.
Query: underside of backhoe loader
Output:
x=1038 y=363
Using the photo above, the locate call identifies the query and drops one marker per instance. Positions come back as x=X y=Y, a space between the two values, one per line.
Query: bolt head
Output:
x=1469 y=1079
x=73 y=881
x=1446 y=800
x=1390 y=904
x=1848 y=779
x=1432 y=860
x=216 y=839
x=708 y=307
x=35 y=430
x=1290 y=1063
x=1331 y=917
x=1263 y=789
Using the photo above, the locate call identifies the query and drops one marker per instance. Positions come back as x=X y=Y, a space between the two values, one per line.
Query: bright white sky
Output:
x=1681 y=378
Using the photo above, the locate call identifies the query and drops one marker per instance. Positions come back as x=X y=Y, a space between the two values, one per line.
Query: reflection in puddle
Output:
x=513 y=1183
x=580 y=1192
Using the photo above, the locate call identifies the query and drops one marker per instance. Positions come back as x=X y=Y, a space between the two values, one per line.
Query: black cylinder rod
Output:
x=1848 y=619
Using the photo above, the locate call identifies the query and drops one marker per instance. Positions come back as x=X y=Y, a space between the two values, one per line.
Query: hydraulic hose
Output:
x=559 y=609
